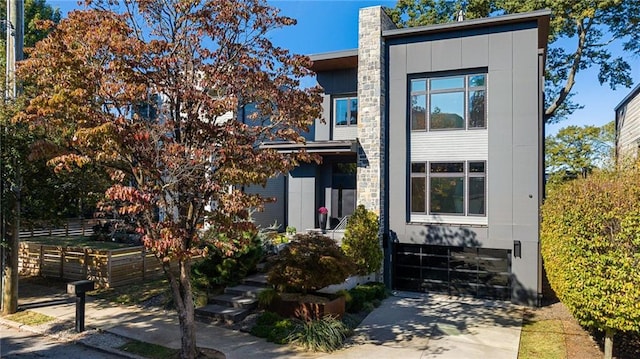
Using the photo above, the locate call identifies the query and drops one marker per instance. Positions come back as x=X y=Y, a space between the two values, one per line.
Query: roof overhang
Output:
x=337 y=60
x=541 y=16
x=337 y=147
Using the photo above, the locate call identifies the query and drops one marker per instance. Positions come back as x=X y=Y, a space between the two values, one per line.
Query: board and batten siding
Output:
x=628 y=120
x=274 y=212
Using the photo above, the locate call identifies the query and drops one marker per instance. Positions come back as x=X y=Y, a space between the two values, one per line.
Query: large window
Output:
x=345 y=111
x=448 y=188
x=448 y=103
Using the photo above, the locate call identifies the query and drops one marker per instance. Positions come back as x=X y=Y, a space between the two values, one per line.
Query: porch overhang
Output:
x=334 y=147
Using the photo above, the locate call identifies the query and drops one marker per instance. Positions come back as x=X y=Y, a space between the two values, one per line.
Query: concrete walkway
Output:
x=406 y=325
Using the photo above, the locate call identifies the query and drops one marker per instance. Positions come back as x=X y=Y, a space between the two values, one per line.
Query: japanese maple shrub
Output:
x=591 y=249
x=310 y=262
x=361 y=241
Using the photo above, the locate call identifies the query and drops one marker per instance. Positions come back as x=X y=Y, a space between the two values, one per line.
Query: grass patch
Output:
x=76 y=241
x=133 y=293
x=149 y=350
x=542 y=340
x=30 y=318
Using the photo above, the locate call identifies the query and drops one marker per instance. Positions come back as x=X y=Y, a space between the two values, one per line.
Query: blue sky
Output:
x=326 y=25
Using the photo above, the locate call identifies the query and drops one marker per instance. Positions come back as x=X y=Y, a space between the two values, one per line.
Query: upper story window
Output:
x=453 y=102
x=345 y=111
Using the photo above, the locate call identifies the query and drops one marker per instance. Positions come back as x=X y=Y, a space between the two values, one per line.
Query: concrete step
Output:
x=235 y=301
x=257 y=280
x=244 y=290
x=215 y=312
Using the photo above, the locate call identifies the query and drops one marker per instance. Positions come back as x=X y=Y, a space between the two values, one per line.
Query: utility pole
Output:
x=11 y=232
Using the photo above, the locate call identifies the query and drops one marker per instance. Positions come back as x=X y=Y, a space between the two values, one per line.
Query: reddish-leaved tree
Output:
x=158 y=91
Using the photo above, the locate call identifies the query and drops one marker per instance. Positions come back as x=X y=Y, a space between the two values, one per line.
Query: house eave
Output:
x=334 y=147
x=541 y=16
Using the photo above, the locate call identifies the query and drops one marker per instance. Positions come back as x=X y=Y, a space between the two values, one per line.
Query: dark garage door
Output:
x=477 y=272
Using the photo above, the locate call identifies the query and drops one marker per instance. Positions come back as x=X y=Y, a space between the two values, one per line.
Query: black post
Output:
x=80 y=288
x=80 y=300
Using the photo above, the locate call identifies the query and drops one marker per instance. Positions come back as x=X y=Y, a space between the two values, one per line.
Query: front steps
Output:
x=236 y=302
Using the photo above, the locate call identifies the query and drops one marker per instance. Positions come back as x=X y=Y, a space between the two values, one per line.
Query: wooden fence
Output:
x=108 y=268
x=71 y=227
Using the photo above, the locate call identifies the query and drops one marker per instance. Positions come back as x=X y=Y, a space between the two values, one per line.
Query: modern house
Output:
x=628 y=126
x=439 y=130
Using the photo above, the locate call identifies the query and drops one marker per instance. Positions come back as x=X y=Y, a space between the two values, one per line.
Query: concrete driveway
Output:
x=410 y=325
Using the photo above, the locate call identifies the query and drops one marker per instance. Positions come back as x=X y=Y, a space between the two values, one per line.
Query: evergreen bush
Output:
x=361 y=241
x=590 y=240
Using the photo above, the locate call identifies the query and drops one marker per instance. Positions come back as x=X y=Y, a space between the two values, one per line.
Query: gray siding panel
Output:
x=301 y=204
x=274 y=212
x=475 y=51
x=446 y=55
x=323 y=130
x=418 y=57
x=500 y=51
x=499 y=165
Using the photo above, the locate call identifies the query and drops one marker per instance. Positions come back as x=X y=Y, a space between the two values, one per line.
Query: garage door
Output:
x=477 y=272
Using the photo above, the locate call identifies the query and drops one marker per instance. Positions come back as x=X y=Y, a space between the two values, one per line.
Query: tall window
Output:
x=448 y=103
x=345 y=111
x=448 y=188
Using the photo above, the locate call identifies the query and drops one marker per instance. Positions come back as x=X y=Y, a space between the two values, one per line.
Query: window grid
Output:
x=470 y=170
x=351 y=111
x=421 y=97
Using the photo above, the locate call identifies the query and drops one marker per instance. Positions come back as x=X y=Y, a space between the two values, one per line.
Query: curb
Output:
x=19 y=326
x=39 y=331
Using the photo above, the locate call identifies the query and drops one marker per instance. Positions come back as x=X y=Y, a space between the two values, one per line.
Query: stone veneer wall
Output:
x=371 y=107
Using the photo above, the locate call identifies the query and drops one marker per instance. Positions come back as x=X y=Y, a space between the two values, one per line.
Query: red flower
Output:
x=323 y=210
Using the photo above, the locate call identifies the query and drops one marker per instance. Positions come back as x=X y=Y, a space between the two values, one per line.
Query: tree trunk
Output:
x=608 y=343
x=183 y=297
x=10 y=290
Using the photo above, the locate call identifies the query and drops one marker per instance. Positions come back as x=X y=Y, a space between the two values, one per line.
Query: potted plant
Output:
x=310 y=262
x=322 y=218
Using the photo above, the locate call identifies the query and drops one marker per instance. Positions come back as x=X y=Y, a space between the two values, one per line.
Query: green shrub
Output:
x=219 y=268
x=371 y=293
x=361 y=242
x=326 y=334
x=590 y=239
x=266 y=297
x=273 y=327
x=310 y=262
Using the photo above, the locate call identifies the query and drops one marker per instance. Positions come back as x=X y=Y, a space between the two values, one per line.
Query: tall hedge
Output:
x=361 y=242
x=591 y=250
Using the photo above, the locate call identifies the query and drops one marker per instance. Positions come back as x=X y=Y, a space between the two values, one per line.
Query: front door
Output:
x=343 y=191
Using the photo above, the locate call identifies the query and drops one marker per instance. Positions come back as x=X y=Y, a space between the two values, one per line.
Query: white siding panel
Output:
x=449 y=145
x=345 y=132
x=439 y=219
x=274 y=211
x=629 y=132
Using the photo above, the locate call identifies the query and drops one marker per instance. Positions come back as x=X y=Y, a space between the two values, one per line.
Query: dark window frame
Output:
x=348 y=98
x=426 y=91
x=466 y=176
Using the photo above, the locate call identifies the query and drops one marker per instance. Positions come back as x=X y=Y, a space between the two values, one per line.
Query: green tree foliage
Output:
x=18 y=174
x=576 y=149
x=591 y=249
x=589 y=27
x=310 y=262
x=361 y=242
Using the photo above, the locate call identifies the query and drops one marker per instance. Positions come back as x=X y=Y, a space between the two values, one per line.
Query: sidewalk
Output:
x=407 y=325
